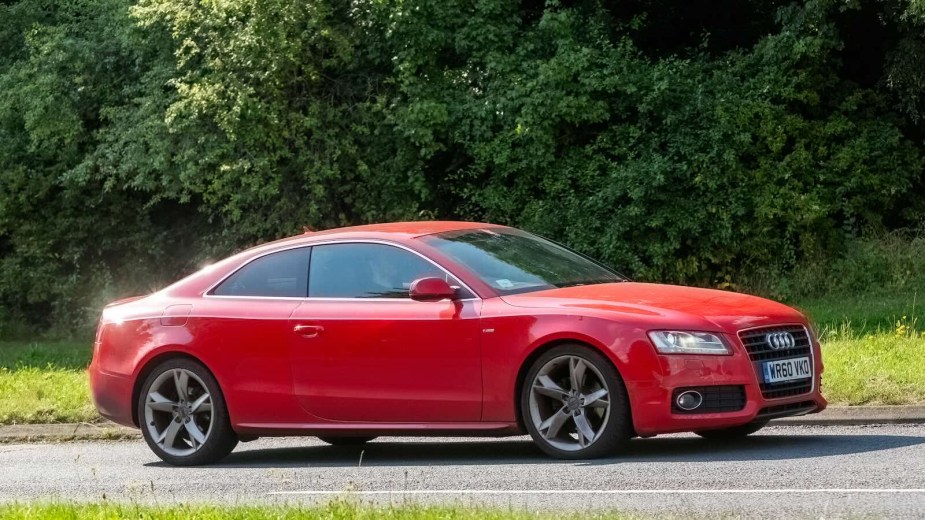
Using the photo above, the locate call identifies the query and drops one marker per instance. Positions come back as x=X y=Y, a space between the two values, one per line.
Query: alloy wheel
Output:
x=178 y=412
x=569 y=403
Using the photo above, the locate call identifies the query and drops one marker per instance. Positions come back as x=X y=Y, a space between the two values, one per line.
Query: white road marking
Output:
x=595 y=491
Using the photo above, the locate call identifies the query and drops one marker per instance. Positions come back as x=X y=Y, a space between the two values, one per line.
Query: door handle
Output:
x=308 y=331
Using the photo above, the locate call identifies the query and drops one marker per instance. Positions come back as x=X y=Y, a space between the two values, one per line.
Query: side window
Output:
x=283 y=274
x=366 y=271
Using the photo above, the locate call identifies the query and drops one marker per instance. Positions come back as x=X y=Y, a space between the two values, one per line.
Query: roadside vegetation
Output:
x=140 y=139
x=335 y=510
x=874 y=368
x=868 y=308
x=42 y=382
x=873 y=347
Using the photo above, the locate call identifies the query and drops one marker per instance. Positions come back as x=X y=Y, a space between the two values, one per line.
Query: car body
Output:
x=309 y=356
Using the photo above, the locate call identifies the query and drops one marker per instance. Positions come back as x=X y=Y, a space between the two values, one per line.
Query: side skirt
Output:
x=479 y=429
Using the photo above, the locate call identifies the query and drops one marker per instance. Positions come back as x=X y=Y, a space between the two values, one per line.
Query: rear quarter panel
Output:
x=248 y=356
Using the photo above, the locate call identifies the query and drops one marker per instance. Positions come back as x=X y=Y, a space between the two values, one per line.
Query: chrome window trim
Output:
x=207 y=292
x=812 y=356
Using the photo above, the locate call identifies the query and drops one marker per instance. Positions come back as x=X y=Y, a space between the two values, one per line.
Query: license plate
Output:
x=787 y=370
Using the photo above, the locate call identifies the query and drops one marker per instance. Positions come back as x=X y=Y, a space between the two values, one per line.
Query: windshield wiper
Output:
x=597 y=281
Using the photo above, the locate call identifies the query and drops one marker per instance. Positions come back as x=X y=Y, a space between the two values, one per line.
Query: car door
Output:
x=364 y=351
x=244 y=321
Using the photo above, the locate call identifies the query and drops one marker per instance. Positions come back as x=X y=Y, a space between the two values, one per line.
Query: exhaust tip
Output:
x=690 y=400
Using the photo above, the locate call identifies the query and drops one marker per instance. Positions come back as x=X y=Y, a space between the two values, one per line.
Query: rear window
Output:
x=277 y=275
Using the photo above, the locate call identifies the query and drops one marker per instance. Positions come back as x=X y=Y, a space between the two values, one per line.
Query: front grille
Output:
x=716 y=399
x=760 y=351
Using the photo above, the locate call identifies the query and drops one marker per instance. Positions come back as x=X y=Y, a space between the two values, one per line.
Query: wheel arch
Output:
x=546 y=346
x=151 y=363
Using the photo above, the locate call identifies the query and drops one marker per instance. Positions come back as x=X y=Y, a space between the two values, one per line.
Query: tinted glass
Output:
x=515 y=262
x=366 y=271
x=283 y=274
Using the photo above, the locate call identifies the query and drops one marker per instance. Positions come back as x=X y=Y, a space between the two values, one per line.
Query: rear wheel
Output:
x=182 y=414
x=346 y=441
x=574 y=404
x=730 y=434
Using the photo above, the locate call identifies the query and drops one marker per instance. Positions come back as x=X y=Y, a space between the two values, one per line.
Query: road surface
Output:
x=784 y=471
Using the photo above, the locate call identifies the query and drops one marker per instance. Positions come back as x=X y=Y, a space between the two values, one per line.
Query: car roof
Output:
x=398 y=231
x=408 y=229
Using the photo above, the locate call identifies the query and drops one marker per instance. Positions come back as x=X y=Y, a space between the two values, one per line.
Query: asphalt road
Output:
x=784 y=471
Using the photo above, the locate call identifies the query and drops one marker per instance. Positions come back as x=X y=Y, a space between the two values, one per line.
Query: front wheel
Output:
x=733 y=433
x=182 y=414
x=574 y=404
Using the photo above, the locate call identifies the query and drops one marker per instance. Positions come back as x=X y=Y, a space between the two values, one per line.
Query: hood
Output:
x=664 y=305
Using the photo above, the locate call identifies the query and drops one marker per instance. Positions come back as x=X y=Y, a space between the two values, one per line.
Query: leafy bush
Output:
x=890 y=264
x=675 y=169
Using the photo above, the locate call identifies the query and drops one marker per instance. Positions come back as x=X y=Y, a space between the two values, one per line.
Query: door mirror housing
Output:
x=431 y=290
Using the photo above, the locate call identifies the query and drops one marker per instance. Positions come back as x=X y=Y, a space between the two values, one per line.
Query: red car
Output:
x=443 y=328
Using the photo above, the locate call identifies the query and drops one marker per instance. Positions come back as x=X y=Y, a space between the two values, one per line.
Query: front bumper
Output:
x=652 y=399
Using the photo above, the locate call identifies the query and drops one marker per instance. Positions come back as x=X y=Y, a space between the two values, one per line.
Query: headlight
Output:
x=682 y=342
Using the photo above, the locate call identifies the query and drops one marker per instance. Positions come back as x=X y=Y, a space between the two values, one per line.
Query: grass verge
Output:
x=872 y=346
x=863 y=314
x=336 y=510
x=874 y=369
x=36 y=395
x=45 y=382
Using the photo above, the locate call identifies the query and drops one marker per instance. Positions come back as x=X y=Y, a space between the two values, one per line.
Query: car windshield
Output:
x=513 y=262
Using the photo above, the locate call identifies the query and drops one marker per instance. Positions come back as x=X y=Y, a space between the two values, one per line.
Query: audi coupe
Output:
x=443 y=328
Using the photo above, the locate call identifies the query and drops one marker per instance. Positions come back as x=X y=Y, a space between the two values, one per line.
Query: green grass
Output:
x=62 y=355
x=886 y=367
x=870 y=313
x=45 y=396
x=874 y=369
x=336 y=510
x=873 y=347
x=45 y=382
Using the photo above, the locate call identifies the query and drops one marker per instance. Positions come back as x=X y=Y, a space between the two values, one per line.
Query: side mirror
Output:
x=431 y=290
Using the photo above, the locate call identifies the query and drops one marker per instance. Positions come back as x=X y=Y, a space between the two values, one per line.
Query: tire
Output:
x=202 y=409
x=734 y=433
x=557 y=405
x=346 y=441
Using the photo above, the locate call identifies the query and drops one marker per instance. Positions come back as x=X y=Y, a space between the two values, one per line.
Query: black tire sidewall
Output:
x=222 y=439
x=618 y=429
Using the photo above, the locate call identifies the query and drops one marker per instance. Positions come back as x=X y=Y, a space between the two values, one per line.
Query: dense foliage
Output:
x=717 y=143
